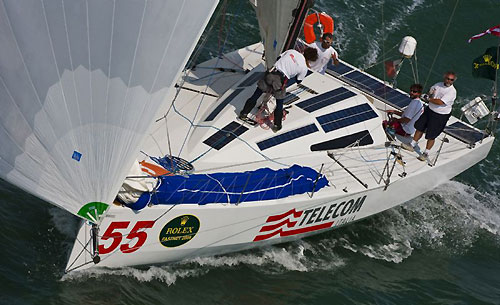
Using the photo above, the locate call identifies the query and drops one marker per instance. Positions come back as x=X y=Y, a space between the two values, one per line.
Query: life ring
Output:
x=314 y=18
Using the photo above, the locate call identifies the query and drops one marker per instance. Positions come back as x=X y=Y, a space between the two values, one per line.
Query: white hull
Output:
x=227 y=227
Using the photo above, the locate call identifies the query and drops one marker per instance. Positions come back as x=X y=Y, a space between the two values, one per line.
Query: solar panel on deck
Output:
x=223 y=104
x=287 y=136
x=339 y=69
x=305 y=88
x=464 y=133
x=346 y=117
x=326 y=99
x=379 y=89
x=290 y=98
x=362 y=138
x=222 y=137
x=252 y=79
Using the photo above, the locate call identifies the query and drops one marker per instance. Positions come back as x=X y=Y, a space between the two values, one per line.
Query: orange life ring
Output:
x=314 y=18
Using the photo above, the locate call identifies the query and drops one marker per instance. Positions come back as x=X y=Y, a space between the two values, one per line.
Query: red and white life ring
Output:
x=314 y=18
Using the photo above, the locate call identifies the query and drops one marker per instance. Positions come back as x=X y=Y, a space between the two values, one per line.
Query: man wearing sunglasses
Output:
x=325 y=53
x=404 y=126
x=436 y=114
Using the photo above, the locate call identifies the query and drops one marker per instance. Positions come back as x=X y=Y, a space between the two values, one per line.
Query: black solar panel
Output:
x=379 y=89
x=340 y=69
x=464 y=133
x=305 y=88
x=326 y=99
x=346 y=117
x=363 y=137
x=222 y=137
x=287 y=136
x=223 y=104
x=252 y=79
x=290 y=98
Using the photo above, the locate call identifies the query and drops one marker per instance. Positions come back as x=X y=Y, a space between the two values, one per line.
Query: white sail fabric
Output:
x=275 y=18
x=80 y=84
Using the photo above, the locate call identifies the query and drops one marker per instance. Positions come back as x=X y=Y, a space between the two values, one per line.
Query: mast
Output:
x=299 y=16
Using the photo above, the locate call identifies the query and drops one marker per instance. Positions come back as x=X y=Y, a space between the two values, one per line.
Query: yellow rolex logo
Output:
x=184 y=220
x=487 y=58
x=179 y=231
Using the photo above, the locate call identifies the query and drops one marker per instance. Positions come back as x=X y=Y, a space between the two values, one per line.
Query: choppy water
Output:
x=440 y=248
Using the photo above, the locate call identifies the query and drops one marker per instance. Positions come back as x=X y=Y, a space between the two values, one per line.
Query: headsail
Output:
x=80 y=84
x=279 y=23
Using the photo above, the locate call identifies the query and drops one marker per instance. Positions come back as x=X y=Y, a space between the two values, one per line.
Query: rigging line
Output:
x=222 y=69
x=219 y=129
x=209 y=82
x=383 y=40
x=416 y=67
x=192 y=60
x=222 y=187
x=413 y=72
x=192 y=90
x=84 y=248
x=165 y=51
x=373 y=168
x=442 y=40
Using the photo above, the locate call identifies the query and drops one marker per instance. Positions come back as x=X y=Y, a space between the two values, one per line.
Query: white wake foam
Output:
x=448 y=219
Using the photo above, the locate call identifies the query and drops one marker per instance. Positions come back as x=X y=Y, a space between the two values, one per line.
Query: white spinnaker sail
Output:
x=80 y=84
x=275 y=18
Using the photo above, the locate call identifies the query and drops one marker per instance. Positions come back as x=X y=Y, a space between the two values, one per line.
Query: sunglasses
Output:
x=415 y=91
x=450 y=79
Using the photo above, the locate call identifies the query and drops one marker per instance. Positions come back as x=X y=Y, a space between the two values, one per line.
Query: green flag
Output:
x=486 y=65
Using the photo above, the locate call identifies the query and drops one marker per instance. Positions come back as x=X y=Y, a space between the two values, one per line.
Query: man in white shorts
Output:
x=325 y=53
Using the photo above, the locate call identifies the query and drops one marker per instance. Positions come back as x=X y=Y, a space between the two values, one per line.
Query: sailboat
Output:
x=100 y=119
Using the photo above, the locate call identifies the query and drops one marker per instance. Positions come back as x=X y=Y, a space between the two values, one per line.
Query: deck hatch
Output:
x=464 y=133
x=326 y=99
x=346 y=117
x=223 y=104
x=287 y=136
x=363 y=137
x=222 y=137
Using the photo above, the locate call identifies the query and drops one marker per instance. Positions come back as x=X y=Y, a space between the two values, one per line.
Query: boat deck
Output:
x=354 y=153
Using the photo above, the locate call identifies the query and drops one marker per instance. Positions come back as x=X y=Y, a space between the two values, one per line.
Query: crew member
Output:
x=325 y=53
x=436 y=114
x=404 y=126
x=291 y=63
